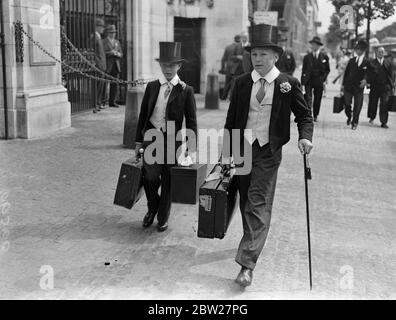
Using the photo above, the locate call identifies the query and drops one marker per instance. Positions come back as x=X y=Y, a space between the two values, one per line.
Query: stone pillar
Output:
x=37 y=101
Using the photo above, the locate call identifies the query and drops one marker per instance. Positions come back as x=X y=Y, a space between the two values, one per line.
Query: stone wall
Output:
x=154 y=22
x=37 y=101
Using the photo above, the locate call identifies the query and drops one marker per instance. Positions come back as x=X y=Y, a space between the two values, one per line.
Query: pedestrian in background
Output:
x=287 y=62
x=381 y=79
x=100 y=62
x=316 y=68
x=114 y=55
x=355 y=80
x=341 y=66
x=231 y=64
x=167 y=99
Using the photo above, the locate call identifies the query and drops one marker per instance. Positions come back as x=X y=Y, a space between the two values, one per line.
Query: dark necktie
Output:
x=261 y=93
x=168 y=90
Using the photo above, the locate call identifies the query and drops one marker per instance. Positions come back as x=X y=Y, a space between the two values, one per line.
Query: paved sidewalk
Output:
x=61 y=190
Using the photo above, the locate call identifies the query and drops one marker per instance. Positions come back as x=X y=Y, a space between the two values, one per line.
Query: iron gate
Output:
x=78 y=23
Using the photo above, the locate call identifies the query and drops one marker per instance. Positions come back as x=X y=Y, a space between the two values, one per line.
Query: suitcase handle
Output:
x=139 y=156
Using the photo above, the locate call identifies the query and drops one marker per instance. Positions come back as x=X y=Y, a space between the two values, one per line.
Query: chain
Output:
x=110 y=79
x=89 y=63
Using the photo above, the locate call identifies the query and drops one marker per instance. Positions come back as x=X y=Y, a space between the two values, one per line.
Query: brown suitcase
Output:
x=185 y=183
x=217 y=205
x=339 y=104
x=130 y=183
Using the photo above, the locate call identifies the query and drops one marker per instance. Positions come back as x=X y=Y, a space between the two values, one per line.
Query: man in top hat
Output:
x=100 y=61
x=167 y=102
x=355 y=80
x=382 y=81
x=260 y=109
x=316 y=68
x=114 y=55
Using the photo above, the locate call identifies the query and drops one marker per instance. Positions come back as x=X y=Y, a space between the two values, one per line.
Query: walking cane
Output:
x=308 y=176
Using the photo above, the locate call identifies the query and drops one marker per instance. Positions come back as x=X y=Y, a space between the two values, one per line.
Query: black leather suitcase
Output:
x=217 y=206
x=130 y=183
x=185 y=183
x=392 y=103
x=338 y=104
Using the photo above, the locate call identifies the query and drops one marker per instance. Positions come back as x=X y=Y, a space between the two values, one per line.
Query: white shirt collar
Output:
x=174 y=82
x=361 y=57
x=269 y=77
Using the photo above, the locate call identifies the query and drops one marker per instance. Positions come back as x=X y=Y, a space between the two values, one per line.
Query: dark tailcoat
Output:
x=257 y=189
x=181 y=104
x=315 y=71
x=112 y=60
x=283 y=105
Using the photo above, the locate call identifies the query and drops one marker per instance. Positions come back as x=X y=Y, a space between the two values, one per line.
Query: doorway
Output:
x=189 y=33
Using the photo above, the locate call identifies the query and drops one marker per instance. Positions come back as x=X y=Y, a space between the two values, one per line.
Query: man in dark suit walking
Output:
x=231 y=64
x=382 y=80
x=100 y=61
x=114 y=55
x=355 y=80
x=167 y=102
x=316 y=68
x=260 y=109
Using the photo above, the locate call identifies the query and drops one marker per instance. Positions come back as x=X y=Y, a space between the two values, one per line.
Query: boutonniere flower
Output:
x=285 y=87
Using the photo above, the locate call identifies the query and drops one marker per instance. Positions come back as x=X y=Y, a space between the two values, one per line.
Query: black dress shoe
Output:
x=245 y=278
x=148 y=220
x=354 y=126
x=384 y=126
x=349 y=122
x=114 y=105
x=163 y=227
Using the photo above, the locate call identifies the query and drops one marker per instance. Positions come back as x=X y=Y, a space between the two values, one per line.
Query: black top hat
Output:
x=170 y=52
x=362 y=44
x=264 y=36
x=317 y=41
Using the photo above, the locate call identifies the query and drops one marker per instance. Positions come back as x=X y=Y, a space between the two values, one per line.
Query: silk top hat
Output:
x=111 y=29
x=317 y=41
x=99 y=23
x=170 y=52
x=264 y=36
x=362 y=45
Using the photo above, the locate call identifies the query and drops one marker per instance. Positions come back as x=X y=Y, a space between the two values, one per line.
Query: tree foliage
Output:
x=380 y=9
x=335 y=34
